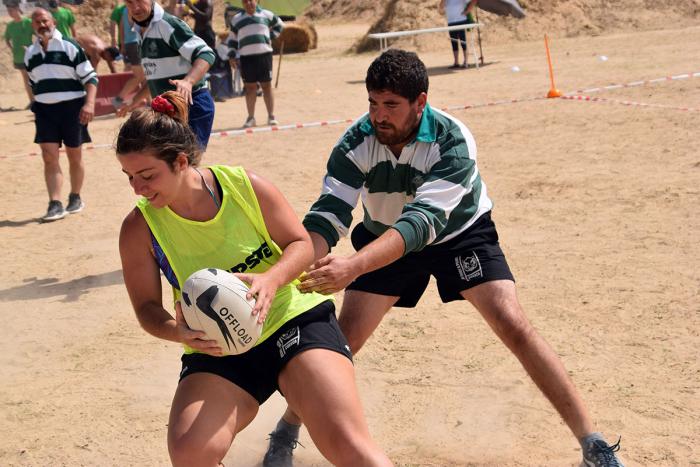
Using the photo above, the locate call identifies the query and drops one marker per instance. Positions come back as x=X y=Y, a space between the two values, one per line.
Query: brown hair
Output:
x=165 y=134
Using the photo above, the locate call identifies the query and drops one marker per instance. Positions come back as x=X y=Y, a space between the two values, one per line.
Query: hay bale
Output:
x=297 y=37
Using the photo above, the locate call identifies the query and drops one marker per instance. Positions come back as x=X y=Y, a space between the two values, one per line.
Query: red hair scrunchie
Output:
x=163 y=105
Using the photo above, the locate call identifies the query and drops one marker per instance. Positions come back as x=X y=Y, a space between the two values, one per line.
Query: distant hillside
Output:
x=556 y=17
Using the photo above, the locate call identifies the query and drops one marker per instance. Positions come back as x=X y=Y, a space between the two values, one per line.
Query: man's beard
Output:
x=392 y=136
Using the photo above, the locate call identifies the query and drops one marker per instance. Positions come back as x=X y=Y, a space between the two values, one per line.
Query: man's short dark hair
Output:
x=398 y=71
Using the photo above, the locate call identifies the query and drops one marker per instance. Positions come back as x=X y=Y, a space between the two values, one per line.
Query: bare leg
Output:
x=207 y=413
x=76 y=168
x=360 y=315
x=320 y=385
x=52 y=170
x=268 y=98
x=251 y=96
x=498 y=304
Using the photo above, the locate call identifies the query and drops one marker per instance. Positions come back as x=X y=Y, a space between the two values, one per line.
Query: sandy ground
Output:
x=596 y=204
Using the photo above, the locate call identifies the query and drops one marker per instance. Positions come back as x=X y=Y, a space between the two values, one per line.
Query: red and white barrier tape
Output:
x=637 y=83
x=571 y=96
x=267 y=129
x=629 y=103
x=491 y=104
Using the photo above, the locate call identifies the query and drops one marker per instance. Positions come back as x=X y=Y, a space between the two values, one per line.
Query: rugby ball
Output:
x=214 y=301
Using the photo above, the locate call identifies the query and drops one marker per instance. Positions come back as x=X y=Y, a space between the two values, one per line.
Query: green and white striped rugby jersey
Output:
x=253 y=34
x=61 y=73
x=430 y=194
x=168 y=48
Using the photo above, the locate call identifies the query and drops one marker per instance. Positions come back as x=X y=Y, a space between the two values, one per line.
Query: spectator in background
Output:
x=220 y=73
x=18 y=36
x=116 y=32
x=121 y=29
x=64 y=84
x=202 y=11
x=97 y=50
x=250 y=44
x=174 y=59
x=65 y=20
x=458 y=12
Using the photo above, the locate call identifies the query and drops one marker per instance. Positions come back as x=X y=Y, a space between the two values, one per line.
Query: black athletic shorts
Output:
x=470 y=259
x=60 y=123
x=256 y=371
x=256 y=68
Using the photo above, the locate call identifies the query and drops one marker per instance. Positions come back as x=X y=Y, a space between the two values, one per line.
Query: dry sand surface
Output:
x=596 y=204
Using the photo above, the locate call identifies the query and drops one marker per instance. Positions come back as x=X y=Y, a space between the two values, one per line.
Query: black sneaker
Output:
x=55 y=212
x=597 y=453
x=279 y=453
x=75 y=204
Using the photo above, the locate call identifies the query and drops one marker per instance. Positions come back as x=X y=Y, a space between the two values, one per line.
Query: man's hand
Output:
x=184 y=88
x=329 y=275
x=87 y=113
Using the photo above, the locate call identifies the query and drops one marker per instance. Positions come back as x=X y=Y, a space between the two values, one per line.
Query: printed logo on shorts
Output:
x=183 y=371
x=468 y=267
x=287 y=340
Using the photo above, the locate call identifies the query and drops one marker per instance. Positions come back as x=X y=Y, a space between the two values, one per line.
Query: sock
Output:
x=586 y=440
x=288 y=429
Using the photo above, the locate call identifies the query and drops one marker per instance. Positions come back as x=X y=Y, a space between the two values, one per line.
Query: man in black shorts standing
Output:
x=427 y=213
x=250 y=43
x=64 y=84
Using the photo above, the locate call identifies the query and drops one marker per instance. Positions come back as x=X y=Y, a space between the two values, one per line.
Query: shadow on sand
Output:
x=37 y=289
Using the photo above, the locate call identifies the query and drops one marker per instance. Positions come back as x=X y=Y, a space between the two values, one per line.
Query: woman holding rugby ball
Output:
x=190 y=218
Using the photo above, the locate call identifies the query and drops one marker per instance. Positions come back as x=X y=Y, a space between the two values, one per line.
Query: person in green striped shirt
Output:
x=64 y=85
x=426 y=213
x=173 y=59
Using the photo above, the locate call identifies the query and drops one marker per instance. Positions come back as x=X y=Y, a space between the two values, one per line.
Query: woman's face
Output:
x=153 y=178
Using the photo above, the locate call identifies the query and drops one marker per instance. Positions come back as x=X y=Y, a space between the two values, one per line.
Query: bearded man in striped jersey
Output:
x=64 y=85
x=173 y=59
x=426 y=212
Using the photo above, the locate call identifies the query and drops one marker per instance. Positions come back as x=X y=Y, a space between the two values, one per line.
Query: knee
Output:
x=516 y=332
x=51 y=162
x=188 y=450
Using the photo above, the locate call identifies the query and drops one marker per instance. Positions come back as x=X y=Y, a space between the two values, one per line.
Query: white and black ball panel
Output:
x=214 y=301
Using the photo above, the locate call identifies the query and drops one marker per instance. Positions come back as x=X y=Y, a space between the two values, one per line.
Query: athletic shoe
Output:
x=272 y=121
x=597 y=453
x=279 y=453
x=55 y=212
x=249 y=122
x=75 y=204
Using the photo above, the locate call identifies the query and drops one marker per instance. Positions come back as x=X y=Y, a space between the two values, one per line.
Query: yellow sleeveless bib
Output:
x=235 y=240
